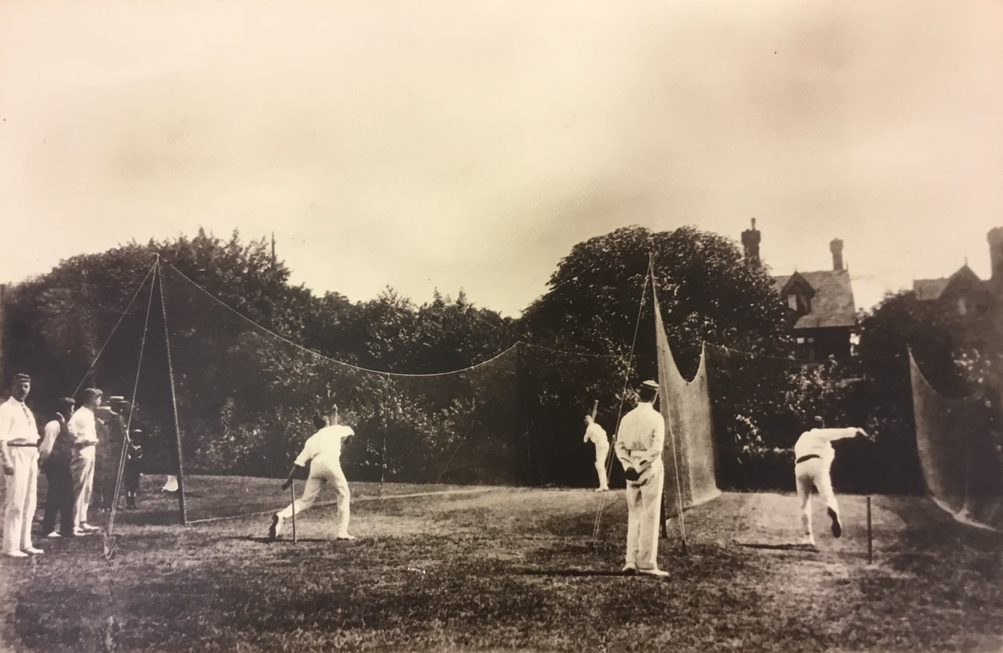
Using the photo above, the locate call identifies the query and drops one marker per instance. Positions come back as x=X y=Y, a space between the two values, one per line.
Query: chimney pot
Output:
x=750 y=242
x=836 y=247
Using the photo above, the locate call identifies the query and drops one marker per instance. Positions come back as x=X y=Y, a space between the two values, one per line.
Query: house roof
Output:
x=933 y=288
x=832 y=305
x=929 y=288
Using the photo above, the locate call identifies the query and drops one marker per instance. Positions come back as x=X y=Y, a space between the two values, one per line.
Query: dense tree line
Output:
x=255 y=356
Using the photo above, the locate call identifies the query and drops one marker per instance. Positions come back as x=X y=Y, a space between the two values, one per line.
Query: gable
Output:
x=832 y=304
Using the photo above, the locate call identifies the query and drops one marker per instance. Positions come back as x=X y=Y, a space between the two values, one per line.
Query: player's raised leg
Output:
x=824 y=485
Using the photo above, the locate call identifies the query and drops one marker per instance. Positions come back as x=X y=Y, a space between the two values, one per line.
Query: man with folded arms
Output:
x=19 y=457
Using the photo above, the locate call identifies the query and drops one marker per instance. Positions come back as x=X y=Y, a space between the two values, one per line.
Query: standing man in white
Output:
x=813 y=456
x=597 y=435
x=19 y=454
x=319 y=463
x=84 y=432
x=639 y=445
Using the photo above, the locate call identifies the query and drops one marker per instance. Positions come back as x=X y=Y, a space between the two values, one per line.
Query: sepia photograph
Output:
x=497 y=325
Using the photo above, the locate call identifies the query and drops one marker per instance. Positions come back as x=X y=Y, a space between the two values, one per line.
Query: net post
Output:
x=292 y=495
x=174 y=400
x=522 y=408
x=870 y=556
x=126 y=425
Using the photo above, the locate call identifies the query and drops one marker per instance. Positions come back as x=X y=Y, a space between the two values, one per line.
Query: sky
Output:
x=434 y=144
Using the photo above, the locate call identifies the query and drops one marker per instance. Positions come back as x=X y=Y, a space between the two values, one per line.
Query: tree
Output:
x=708 y=293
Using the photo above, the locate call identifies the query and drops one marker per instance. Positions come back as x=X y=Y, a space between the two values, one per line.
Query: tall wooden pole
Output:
x=174 y=401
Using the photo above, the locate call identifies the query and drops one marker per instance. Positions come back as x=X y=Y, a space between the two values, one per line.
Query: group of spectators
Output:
x=66 y=451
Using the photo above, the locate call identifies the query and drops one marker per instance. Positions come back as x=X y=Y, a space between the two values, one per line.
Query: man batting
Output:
x=813 y=456
x=639 y=444
x=322 y=454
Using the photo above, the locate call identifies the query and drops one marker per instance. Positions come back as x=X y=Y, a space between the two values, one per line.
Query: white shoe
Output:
x=15 y=554
x=808 y=540
x=602 y=489
x=33 y=551
x=87 y=528
x=345 y=536
x=53 y=534
x=653 y=571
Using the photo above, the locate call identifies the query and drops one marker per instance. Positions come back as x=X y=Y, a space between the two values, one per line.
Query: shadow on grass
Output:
x=264 y=539
x=779 y=547
x=569 y=573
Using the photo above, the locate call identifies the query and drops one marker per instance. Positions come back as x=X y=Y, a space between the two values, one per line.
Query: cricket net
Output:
x=689 y=443
x=959 y=451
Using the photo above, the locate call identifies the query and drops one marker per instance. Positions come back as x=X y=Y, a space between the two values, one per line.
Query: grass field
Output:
x=492 y=569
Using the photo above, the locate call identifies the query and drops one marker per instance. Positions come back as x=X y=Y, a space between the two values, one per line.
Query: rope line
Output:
x=114 y=329
x=328 y=358
x=628 y=364
x=128 y=425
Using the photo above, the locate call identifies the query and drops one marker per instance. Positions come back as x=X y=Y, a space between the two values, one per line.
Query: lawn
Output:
x=493 y=569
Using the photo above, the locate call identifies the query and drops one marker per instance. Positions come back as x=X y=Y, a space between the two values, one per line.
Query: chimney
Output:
x=995 y=237
x=750 y=242
x=836 y=247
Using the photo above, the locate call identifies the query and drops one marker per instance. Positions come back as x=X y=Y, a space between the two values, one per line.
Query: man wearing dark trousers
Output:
x=55 y=455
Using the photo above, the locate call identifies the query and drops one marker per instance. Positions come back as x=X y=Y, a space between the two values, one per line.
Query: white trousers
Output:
x=22 y=494
x=323 y=472
x=601 y=454
x=82 y=468
x=644 y=502
x=813 y=472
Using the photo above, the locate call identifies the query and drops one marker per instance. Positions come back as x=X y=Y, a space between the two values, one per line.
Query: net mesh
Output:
x=959 y=452
x=689 y=443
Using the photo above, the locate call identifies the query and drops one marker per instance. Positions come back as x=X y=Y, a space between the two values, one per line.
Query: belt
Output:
x=21 y=444
x=808 y=457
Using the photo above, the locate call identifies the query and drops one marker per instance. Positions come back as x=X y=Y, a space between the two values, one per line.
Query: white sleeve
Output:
x=74 y=427
x=307 y=454
x=6 y=423
x=838 y=434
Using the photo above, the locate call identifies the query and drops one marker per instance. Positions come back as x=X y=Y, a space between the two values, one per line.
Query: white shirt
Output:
x=324 y=443
x=597 y=435
x=83 y=427
x=818 y=442
x=641 y=437
x=17 y=423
